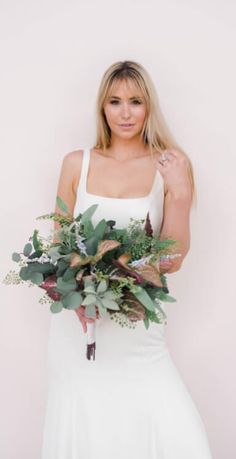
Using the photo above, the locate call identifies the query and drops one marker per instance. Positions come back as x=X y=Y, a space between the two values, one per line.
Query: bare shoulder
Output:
x=73 y=158
x=72 y=163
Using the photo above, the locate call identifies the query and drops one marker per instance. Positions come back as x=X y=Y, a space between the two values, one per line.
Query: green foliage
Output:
x=101 y=296
x=144 y=298
x=27 y=249
x=62 y=266
x=38 y=246
x=36 y=278
x=44 y=268
x=91 y=245
x=65 y=286
x=56 y=217
x=80 y=271
x=16 y=257
x=57 y=306
x=87 y=215
x=69 y=274
x=88 y=229
x=156 y=316
x=72 y=300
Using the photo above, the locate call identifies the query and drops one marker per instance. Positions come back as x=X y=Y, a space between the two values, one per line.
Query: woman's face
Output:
x=125 y=110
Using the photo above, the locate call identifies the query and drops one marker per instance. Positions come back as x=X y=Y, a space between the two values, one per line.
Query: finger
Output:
x=80 y=310
x=81 y=319
x=165 y=270
x=165 y=265
x=159 y=165
x=84 y=325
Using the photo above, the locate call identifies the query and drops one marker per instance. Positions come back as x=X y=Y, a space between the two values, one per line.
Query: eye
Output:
x=114 y=102
x=136 y=102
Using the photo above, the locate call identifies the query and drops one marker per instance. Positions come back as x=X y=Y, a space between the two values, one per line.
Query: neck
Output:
x=123 y=149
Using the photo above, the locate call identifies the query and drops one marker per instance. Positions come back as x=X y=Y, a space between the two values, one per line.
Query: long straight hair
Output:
x=155 y=132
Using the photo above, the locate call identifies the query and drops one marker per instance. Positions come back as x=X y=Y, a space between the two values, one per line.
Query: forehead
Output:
x=125 y=88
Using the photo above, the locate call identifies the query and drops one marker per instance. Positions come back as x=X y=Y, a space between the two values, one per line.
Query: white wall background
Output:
x=53 y=55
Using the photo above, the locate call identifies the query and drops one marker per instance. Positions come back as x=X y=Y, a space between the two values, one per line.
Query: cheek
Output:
x=109 y=113
x=141 y=114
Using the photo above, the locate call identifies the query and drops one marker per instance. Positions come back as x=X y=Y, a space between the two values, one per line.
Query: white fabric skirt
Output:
x=128 y=403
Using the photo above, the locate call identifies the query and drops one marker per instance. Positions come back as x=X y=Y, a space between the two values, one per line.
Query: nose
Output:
x=125 y=111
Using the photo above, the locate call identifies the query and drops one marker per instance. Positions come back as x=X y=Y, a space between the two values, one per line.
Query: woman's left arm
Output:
x=177 y=206
x=176 y=225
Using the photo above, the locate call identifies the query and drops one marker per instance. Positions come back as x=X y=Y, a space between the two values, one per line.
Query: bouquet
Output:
x=106 y=269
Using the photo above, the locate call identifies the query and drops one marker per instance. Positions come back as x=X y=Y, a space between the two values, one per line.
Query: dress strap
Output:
x=84 y=170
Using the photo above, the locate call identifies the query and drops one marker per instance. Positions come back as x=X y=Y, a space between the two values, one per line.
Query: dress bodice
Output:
x=121 y=209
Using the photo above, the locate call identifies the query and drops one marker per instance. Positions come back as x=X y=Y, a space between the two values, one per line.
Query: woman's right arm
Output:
x=67 y=190
x=68 y=182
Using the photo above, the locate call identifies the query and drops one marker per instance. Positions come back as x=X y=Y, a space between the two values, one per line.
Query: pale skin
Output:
x=130 y=173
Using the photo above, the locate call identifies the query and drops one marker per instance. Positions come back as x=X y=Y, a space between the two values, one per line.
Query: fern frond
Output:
x=63 y=220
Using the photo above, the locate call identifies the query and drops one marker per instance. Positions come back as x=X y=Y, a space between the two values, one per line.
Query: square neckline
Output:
x=110 y=197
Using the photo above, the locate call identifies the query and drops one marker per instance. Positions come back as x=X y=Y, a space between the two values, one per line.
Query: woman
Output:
x=131 y=401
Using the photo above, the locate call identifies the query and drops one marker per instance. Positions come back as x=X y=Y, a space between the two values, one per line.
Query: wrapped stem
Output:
x=91 y=340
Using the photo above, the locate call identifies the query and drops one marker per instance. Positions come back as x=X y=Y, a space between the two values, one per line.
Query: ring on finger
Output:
x=164 y=157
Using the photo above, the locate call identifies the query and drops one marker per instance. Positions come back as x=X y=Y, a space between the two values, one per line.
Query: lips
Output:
x=126 y=125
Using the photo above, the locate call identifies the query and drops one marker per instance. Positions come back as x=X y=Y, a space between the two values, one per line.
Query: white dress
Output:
x=130 y=402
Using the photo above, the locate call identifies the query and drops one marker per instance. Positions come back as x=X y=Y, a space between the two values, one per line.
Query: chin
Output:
x=127 y=135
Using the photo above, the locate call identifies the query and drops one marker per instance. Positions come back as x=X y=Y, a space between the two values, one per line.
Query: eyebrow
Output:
x=131 y=98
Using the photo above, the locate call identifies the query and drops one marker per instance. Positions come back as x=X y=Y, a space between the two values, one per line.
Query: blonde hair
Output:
x=155 y=132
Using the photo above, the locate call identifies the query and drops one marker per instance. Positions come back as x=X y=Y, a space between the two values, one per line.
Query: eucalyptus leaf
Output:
x=69 y=274
x=57 y=306
x=72 y=300
x=24 y=273
x=36 y=254
x=16 y=257
x=27 y=249
x=66 y=287
x=36 y=278
x=44 y=268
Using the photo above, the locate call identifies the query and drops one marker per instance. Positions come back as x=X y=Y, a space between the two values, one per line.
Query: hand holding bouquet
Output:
x=102 y=269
